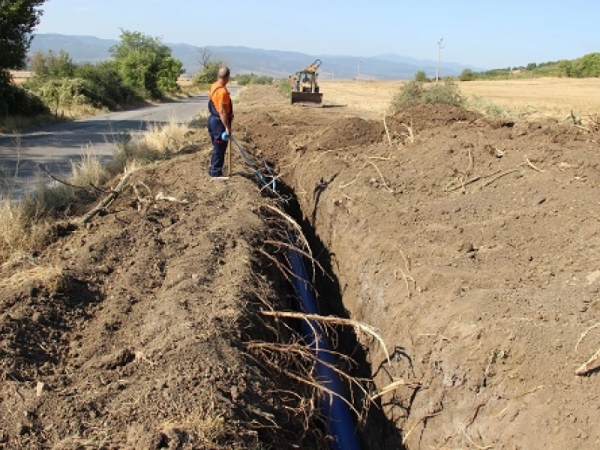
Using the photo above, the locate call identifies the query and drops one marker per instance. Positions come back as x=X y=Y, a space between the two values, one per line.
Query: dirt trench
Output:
x=471 y=245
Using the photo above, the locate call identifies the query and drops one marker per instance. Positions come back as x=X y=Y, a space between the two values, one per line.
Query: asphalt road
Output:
x=56 y=146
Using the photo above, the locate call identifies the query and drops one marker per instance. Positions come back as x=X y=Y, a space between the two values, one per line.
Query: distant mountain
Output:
x=273 y=63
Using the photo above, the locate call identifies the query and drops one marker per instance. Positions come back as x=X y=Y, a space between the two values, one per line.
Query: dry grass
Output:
x=51 y=278
x=22 y=223
x=16 y=124
x=158 y=142
x=533 y=98
x=15 y=236
x=371 y=98
x=168 y=138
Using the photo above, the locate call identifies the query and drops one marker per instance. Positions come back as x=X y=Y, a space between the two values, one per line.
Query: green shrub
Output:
x=146 y=64
x=105 y=86
x=52 y=65
x=414 y=93
x=421 y=76
x=284 y=87
x=446 y=93
x=97 y=86
x=208 y=75
x=467 y=75
x=17 y=101
x=409 y=95
x=246 y=79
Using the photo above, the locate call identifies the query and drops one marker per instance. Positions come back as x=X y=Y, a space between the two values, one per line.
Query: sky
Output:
x=480 y=33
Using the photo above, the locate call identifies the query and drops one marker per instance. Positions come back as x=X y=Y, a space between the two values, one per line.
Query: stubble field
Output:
x=535 y=98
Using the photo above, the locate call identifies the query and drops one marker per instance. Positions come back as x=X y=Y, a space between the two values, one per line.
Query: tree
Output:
x=146 y=64
x=565 y=68
x=52 y=65
x=588 y=66
x=467 y=75
x=18 y=18
x=421 y=76
x=209 y=64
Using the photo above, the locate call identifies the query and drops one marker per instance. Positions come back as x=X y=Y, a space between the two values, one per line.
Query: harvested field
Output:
x=535 y=98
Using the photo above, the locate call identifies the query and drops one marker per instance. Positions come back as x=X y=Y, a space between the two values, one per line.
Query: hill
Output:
x=275 y=63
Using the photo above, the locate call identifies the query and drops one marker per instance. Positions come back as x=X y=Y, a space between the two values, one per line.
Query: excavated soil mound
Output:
x=349 y=132
x=129 y=333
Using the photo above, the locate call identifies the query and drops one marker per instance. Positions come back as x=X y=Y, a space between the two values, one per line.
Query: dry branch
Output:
x=393 y=386
x=530 y=164
x=462 y=184
x=108 y=199
x=335 y=321
x=497 y=177
x=584 y=334
x=380 y=174
x=591 y=364
x=161 y=196
x=66 y=183
x=387 y=131
x=421 y=419
x=411 y=135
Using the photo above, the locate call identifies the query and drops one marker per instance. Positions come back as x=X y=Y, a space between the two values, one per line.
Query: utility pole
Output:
x=437 y=72
x=358 y=74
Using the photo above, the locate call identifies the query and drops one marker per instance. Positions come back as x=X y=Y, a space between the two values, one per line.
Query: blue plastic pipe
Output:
x=341 y=423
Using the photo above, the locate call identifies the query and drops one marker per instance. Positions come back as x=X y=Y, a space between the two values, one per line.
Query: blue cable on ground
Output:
x=257 y=172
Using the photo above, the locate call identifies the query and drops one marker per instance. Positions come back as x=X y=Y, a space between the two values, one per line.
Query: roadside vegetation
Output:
x=24 y=225
x=141 y=69
x=248 y=79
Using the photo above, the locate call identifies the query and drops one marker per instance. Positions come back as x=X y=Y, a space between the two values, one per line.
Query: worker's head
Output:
x=223 y=73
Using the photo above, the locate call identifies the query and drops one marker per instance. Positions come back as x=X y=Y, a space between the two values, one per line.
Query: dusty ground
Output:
x=471 y=245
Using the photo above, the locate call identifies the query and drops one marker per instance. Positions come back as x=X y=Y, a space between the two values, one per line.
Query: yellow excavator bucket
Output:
x=307 y=97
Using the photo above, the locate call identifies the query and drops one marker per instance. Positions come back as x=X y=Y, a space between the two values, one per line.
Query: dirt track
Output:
x=473 y=250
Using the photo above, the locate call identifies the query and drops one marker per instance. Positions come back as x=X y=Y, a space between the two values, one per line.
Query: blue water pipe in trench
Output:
x=333 y=406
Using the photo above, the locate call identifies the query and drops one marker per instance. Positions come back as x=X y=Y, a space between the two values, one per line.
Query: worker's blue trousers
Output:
x=217 y=159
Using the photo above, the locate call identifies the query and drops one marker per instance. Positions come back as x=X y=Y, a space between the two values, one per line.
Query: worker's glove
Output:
x=225 y=136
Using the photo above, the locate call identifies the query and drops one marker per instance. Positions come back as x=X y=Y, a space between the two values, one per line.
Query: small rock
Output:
x=36 y=317
x=593 y=277
x=234 y=393
x=39 y=389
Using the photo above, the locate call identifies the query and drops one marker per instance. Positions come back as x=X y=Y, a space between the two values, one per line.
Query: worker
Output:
x=219 y=121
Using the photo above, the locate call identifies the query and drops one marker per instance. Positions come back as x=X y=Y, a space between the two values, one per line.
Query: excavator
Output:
x=305 y=88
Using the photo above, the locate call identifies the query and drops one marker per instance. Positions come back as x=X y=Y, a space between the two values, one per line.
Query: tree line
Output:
x=587 y=66
x=141 y=67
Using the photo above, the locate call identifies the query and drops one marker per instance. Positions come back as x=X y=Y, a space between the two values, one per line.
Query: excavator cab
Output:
x=305 y=88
